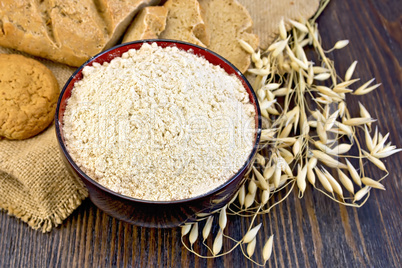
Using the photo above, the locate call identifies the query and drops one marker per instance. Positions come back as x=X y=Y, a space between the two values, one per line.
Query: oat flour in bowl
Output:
x=159 y=124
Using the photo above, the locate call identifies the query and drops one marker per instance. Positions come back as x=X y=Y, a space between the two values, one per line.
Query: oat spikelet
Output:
x=271 y=86
x=295 y=60
x=250 y=235
x=299 y=26
x=331 y=120
x=252 y=187
x=268 y=171
x=350 y=71
x=263 y=183
x=341 y=149
x=319 y=70
x=282 y=30
x=249 y=200
x=369 y=141
x=341 y=108
x=267 y=250
x=301 y=178
x=361 y=193
x=341 y=44
x=265 y=197
x=261 y=72
x=277 y=175
x=312 y=162
x=329 y=161
x=246 y=46
x=311 y=176
x=363 y=111
x=260 y=159
x=286 y=131
x=277 y=44
x=322 y=134
x=387 y=152
x=207 y=228
x=280 y=47
x=364 y=89
x=375 y=161
x=296 y=147
x=353 y=173
x=372 y=183
x=280 y=92
x=218 y=242
x=345 y=128
x=194 y=233
x=185 y=229
x=367 y=90
x=380 y=144
x=242 y=194
x=322 y=76
x=251 y=247
x=222 y=218
x=324 y=181
x=358 y=121
x=334 y=184
x=347 y=183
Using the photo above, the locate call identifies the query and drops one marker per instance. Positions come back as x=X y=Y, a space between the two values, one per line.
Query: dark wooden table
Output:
x=311 y=232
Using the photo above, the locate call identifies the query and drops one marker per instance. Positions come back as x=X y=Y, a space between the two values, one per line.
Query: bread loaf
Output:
x=228 y=22
x=148 y=24
x=185 y=22
x=67 y=31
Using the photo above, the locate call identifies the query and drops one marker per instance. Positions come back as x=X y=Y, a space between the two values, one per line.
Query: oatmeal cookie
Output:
x=28 y=96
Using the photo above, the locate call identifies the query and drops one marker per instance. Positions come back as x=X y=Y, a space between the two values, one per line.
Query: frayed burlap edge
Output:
x=48 y=223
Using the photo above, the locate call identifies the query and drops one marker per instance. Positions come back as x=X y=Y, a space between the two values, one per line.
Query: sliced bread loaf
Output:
x=228 y=22
x=70 y=31
x=148 y=24
x=185 y=22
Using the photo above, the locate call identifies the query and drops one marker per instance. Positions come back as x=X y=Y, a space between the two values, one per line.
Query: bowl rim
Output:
x=82 y=174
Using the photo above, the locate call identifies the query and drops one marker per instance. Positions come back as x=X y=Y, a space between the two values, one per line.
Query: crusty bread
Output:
x=228 y=22
x=148 y=24
x=185 y=22
x=65 y=31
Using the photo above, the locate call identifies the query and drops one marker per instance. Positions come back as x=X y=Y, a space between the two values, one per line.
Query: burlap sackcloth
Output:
x=267 y=14
x=36 y=187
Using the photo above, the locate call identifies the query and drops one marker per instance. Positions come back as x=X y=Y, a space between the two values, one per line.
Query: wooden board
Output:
x=312 y=232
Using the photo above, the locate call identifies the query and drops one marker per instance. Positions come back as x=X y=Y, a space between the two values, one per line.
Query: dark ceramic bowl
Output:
x=146 y=213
